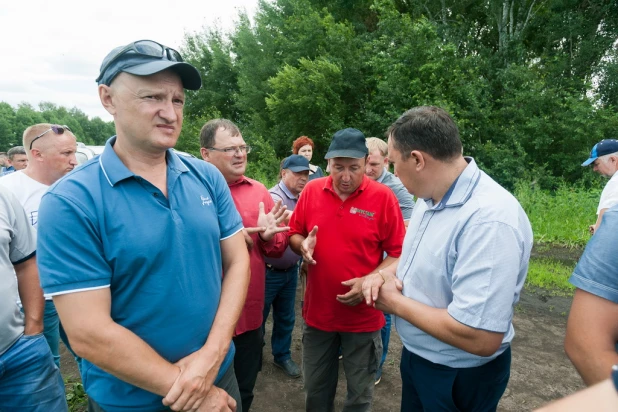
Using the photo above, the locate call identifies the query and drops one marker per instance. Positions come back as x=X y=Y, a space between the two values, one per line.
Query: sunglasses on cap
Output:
x=55 y=128
x=148 y=48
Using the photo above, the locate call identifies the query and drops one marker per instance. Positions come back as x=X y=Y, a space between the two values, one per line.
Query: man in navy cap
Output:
x=361 y=231
x=132 y=247
x=604 y=161
x=282 y=273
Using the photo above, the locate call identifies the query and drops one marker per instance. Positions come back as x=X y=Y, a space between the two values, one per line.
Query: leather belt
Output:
x=274 y=269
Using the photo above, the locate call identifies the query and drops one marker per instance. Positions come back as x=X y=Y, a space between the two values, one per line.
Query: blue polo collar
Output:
x=462 y=188
x=115 y=171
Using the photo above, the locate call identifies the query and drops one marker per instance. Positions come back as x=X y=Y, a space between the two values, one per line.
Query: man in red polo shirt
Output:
x=223 y=146
x=342 y=225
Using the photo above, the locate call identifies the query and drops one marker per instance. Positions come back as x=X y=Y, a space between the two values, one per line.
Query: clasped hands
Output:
x=193 y=389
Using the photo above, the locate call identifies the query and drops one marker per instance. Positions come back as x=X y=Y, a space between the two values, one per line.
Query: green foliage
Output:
x=14 y=121
x=551 y=275
x=519 y=84
x=559 y=217
x=76 y=397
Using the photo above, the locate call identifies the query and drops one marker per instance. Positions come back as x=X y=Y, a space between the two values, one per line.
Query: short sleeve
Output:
x=230 y=221
x=70 y=250
x=406 y=201
x=22 y=237
x=486 y=276
x=394 y=229
x=609 y=197
x=597 y=270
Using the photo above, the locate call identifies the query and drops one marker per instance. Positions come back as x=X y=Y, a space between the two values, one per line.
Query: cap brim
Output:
x=589 y=161
x=354 y=154
x=189 y=75
x=298 y=168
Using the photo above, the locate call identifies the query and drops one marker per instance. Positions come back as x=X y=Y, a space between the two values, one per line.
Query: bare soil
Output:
x=540 y=370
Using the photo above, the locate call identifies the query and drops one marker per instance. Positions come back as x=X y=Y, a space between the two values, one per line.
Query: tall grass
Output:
x=560 y=217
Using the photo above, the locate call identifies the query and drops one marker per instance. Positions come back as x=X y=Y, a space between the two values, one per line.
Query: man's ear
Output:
x=205 y=154
x=419 y=158
x=106 y=95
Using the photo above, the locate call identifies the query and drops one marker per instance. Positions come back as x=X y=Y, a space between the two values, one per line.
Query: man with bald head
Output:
x=143 y=251
x=51 y=155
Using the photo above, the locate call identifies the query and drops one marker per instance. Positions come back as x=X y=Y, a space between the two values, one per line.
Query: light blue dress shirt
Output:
x=468 y=254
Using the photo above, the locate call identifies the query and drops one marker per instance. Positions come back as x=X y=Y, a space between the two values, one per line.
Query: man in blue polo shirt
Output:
x=132 y=246
x=592 y=329
x=464 y=262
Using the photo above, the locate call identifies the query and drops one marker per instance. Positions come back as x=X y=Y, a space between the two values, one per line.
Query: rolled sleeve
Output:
x=597 y=270
x=70 y=250
x=485 y=276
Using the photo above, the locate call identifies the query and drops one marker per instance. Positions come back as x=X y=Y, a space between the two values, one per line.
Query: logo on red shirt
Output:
x=364 y=213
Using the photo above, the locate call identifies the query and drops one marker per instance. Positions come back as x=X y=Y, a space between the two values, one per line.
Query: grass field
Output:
x=561 y=217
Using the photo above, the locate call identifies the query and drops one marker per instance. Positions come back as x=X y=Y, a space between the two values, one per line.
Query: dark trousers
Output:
x=281 y=295
x=430 y=387
x=247 y=363
x=361 y=357
x=227 y=383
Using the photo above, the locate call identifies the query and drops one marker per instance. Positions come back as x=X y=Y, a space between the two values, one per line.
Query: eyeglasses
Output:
x=55 y=128
x=233 y=150
x=145 y=48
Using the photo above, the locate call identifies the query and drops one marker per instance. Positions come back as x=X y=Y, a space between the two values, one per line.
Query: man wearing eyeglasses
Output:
x=51 y=156
x=223 y=146
x=132 y=246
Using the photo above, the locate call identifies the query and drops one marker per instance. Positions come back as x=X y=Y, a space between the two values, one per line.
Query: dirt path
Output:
x=540 y=370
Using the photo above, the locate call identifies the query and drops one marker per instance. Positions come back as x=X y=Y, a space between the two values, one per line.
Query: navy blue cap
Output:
x=348 y=143
x=604 y=147
x=143 y=65
x=295 y=163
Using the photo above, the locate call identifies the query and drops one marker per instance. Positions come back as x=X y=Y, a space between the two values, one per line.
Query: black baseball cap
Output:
x=348 y=143
x=146 y=57
x=295 y=163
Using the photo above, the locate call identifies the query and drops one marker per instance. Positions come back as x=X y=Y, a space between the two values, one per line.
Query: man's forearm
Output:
x=295 y=241
x=31 y=295
x=120 y=352
x=389 y=263
x=438 y=323
x=233 y=294
x=594 y=366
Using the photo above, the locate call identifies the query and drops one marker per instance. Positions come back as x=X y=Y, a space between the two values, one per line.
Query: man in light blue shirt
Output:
x=464 y=262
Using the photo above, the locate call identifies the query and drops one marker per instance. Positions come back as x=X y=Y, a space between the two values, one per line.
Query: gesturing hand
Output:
x=308 y=246
x=270 y=221
x=355 y=295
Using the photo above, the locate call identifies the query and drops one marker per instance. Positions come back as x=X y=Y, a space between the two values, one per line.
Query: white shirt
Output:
x=28 y=191
x=609 y=196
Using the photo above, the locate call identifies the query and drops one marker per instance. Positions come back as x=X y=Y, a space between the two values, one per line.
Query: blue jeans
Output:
x=29 y=380
x=385 y=333
x=433 y=387
x=281 y=294
x=51 y=331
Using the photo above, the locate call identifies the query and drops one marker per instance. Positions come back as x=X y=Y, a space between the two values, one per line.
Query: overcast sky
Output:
x=52 y=50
